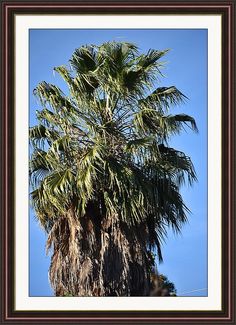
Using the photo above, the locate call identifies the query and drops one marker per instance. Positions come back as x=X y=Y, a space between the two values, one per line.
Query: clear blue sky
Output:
x=185 y=256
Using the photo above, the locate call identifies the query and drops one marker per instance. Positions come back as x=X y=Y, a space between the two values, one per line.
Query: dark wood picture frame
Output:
x=8 y=10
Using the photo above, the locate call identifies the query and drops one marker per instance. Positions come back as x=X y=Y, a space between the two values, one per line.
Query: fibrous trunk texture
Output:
x=97 y=256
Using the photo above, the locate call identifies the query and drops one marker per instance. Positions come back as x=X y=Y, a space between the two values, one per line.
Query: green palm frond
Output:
x=150 y=121
x=183 y=118
x=60 y=182
x=132 y=145
x=39 y=134
x=151 y=59
x=163 y=98
x=39 y=167
x=84 y=59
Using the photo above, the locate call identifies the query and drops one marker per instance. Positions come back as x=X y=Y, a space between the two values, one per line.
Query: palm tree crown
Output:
x=105 y=180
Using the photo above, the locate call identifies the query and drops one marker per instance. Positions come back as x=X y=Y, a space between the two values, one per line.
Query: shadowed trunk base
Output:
x=90 y=259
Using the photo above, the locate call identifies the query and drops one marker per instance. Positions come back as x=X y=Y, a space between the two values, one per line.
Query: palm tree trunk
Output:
x=89 y=260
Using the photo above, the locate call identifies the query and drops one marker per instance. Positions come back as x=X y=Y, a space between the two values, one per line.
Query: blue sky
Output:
x=185 y=255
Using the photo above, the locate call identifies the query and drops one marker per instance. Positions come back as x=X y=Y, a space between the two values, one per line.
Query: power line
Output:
x=186 y=292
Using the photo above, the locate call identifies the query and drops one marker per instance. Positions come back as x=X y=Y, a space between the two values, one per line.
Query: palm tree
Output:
x=106 y=184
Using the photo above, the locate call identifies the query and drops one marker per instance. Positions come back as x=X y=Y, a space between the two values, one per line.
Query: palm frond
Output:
x=151 y=59
x=163 y=98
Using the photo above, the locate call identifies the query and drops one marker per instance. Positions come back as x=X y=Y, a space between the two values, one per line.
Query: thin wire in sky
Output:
x=186 y=292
